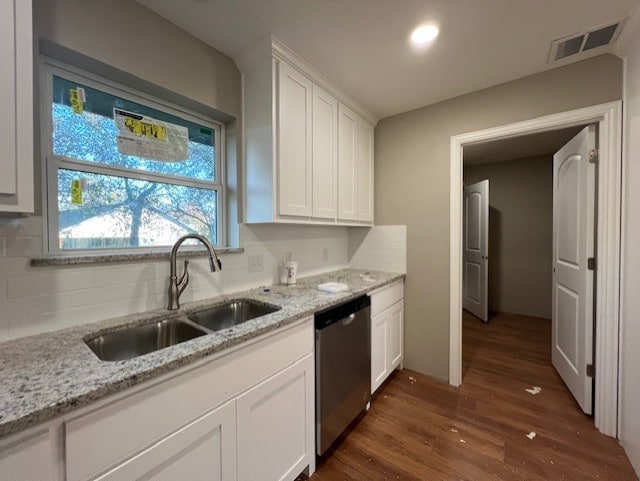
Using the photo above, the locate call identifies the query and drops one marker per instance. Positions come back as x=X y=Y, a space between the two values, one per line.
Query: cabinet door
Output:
x=16 y=98
x=294 y=142
x=28 y=459
x=364 y=172
x=395 y=335
x=275 y=425
x=8 y=96
x=347 y=155
x=379 y=348
x=204 y=450
x=325 y=154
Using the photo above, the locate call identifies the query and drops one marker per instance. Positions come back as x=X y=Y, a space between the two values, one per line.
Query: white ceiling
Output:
x=362 y=45
x=543 y=143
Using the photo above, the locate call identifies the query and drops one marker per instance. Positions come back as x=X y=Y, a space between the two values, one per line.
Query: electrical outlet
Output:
x=288 y=255
x=325 y=254
x=255 y=263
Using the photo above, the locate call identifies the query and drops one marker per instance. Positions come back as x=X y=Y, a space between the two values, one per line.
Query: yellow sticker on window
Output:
x=76 y=192
x=150 y=138
x=146 y=129
x=76 y=101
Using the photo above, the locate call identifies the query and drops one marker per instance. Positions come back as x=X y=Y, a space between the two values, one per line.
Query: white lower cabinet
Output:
x=273 y=439
x=379 y=348
x=387 y=332
x=204 y=450
x=29 y=458
x=247 y=414
x=395 y=334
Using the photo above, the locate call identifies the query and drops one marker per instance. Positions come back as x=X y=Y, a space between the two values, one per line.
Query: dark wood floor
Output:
x=422 y=429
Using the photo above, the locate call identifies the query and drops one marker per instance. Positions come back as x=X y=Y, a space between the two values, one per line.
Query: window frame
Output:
x=51 y=162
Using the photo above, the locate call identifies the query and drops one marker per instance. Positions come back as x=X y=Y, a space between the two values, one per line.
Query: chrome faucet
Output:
x=177 y=286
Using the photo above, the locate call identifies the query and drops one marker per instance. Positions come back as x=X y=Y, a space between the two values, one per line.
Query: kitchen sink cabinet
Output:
x=387 y=332
x=28 y=458
x=308 y=145
x=239 y=414
x=204 y=450
x=263 y=425
x=273 y=439
x=16 y=98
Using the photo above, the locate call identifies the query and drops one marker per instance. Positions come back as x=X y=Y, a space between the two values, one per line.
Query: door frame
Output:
x=608 y=117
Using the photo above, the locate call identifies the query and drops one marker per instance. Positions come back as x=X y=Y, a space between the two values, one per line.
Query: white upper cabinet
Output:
x=294 y=141
x=308 y=145
x=16 y=98
x=325 y=154
x=364 y=171
x=347 y=164
x=355 y=167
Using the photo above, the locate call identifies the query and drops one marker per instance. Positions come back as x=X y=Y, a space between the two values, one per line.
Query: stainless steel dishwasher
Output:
x=343 y=368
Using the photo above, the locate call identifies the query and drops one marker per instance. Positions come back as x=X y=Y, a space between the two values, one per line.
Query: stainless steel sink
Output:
x=135 y=341
x=231 y=314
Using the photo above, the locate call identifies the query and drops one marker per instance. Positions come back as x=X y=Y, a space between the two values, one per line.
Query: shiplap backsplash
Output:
x=41 y=299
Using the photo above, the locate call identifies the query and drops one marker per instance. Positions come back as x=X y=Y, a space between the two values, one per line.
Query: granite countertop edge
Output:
x=51 y=374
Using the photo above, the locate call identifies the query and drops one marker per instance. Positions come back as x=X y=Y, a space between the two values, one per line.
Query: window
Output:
x=124 y=171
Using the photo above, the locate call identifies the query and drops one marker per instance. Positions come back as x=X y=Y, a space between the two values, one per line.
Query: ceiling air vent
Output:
x=580 y=42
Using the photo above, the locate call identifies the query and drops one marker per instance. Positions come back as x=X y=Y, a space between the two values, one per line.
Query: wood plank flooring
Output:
x=419 y=428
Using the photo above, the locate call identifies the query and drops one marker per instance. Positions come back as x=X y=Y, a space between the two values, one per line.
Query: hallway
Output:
x=422 y=429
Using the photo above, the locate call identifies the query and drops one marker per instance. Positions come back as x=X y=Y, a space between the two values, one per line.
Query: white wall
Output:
x=630 y=336
x=41 y=299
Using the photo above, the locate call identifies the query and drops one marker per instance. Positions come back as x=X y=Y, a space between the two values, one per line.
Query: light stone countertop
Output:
x=50 y=374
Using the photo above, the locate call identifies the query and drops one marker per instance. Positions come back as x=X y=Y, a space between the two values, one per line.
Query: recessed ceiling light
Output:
x=424 y=34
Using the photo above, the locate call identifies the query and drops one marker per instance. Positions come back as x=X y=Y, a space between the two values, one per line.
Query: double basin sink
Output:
x=132 y=342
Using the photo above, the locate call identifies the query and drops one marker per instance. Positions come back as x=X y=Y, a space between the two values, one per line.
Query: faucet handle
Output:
x=184 y=278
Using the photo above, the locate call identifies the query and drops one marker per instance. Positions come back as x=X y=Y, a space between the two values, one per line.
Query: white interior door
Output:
x=475 y=245
x=573 y=244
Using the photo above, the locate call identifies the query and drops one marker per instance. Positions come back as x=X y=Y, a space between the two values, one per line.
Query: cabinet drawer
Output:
x=386 y=297
x=106 y=436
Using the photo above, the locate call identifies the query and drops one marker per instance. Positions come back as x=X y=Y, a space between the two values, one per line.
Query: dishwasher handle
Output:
x=348 y=320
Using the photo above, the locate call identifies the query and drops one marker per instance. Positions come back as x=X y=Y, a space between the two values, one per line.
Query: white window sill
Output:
x=71 y=260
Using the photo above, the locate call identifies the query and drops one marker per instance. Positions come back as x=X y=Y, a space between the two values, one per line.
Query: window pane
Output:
x=87 y=130
x=101 y=211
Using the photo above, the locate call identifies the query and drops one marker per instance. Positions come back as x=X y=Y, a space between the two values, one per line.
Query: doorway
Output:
x=535 y=230
x=608 y=119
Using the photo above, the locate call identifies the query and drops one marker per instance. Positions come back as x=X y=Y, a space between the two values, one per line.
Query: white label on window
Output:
x=149 y=138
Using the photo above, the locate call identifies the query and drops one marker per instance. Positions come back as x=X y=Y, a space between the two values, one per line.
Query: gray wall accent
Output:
x=520 y=233
x=412 y=181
